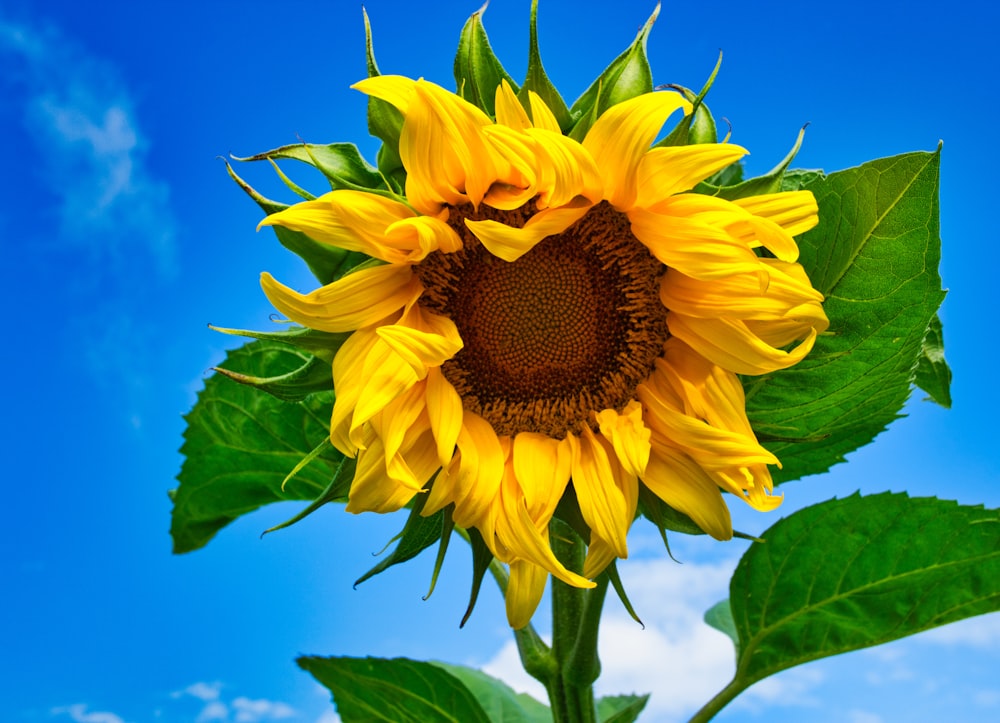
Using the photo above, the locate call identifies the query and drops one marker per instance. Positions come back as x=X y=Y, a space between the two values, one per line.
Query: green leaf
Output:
x=385 y=122
x=538 y=82
x=478 y=71
x=398 y=690
x=851 y=573
x=932 y=373
x=720 y=617
x=875 y=256
x=341 y=163
x=500 y=703
x=417 y=535
x=621 y=708
x=327 y=263
x=627 y=76
x=240 y=443
x=314 y=375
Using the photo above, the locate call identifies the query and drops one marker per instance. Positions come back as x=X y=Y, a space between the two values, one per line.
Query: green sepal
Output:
x=481 y=559
x=327 y=263
x=341 y=164
x=322 y=344
x=538 y=82
x=385 y=122
x=336 y=491
x=314 y=375
x=417 y=535
x=698 y=126
x=621 y=708
x=627 y=76
x=478 y=71
x=933 y=374
x=447 y=526
x=770 y=182
x=616 y=582
x=292 y=186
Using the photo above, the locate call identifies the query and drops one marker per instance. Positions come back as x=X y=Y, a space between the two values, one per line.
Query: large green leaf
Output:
x=856 y=572
x=241 y=443
x=368 y=690
x=499 y=701
x=875 y=256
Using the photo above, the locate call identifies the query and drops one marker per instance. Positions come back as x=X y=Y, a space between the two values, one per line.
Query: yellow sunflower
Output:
x=553 y=314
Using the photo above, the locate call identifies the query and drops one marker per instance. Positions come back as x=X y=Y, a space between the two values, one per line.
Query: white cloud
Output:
x=251 y=711
x=981 y=632
x=78 y=712
x=213 y=710
x=79 y=115
x=863 y=716
x=201 y=691
x=328 y=716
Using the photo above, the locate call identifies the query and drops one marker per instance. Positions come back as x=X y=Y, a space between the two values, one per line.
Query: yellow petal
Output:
x=524 y=591
x=348 y=365
x=402 y=418
x=444 y=407
x=542 y=467
x=732 y=345
x=565 y=170
x=628 y=435
x=794 y=211
x=510 y=243
x=416 y=237
x=393 y=89
x=689 y=244
x=599 y=556
x=621 y=137
x=472 y=481
x=352 y=220
x=372 y=490
x=422 y=348
x=445 y=152
x=541 y=116
x=680 y=482
x=669 y=170
x=509 y=110
x=359 y=299
x=602 y=504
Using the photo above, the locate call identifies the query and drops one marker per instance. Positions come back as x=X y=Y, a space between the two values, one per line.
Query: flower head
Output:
x=552 y=315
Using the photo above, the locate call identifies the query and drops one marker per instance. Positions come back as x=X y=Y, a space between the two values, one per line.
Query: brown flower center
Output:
x=570 y=328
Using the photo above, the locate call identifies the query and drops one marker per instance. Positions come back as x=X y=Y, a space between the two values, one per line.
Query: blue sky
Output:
x=124 y=238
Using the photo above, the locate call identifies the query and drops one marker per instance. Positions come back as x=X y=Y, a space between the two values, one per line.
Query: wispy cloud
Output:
x=80 y=117
x=981 y=632
x=238 y=710
x=79 y=713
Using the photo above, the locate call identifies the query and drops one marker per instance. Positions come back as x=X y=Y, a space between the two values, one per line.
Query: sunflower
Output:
x=544 y=316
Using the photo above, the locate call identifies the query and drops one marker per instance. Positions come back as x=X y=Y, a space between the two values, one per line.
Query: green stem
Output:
x=720 y=701
x=576 y=616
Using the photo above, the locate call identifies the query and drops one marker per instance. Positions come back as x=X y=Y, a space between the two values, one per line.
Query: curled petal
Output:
x=542 y=467
x=509 y=243
x=444 y=408
x=628 y=436
x=620 y=138
x=672 y=169
x=359 y=299
x=565 y=170
x=794 y=211
x=416 y=237
x=732 y=344
x=352 y=220
x=371 y=490
x=396 y=90
x=602 y=503
x=684 y=485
